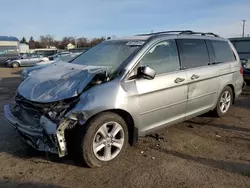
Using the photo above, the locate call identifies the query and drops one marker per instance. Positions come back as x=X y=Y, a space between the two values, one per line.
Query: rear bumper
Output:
x=39 y=137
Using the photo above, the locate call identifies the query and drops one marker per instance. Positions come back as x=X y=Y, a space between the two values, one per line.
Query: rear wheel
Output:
x=15 y=64
x=225 y=102
x=101 y=140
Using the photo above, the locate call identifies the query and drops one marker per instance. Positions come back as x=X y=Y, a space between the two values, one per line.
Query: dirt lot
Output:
x=203 y=152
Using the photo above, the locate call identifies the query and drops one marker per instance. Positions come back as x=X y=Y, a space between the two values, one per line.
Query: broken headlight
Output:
x=52 y=114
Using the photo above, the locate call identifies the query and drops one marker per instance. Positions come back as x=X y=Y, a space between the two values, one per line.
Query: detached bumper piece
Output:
x=45 y=136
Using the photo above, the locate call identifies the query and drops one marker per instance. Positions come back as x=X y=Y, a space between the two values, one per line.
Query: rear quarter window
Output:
x=222 y=51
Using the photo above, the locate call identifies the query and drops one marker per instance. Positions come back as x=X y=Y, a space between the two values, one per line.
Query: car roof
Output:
x=128 y=38
x=171 y=34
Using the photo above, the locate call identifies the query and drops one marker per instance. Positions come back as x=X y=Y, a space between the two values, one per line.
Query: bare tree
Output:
x=47 y=41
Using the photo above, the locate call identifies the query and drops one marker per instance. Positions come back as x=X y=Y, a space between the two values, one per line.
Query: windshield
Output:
x=108 y=53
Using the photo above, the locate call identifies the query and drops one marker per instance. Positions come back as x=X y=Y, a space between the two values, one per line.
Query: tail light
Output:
x=241 y=70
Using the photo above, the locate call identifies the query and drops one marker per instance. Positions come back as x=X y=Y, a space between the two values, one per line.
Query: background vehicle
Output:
x=246 y=69
x=78 y=50
x=9 y=48
x=125 y=88
x=30 y=60
x=58 y=54
x=12 y=59
x=45 y=52
x=62 y=58
x=242 y=46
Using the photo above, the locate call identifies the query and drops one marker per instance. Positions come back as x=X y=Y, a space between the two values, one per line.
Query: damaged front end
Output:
x=41 y=125
x=39 y=117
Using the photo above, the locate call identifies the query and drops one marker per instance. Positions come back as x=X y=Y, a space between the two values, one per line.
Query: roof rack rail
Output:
x=199 y=33
x=189 y=32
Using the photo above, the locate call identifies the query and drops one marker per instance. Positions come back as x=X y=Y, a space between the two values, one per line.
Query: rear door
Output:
x=202 y=78
x=163 y=99
x=227 y=65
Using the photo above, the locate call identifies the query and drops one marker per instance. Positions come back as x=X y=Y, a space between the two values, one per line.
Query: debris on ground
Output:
x=156 y=137
x=190 y=126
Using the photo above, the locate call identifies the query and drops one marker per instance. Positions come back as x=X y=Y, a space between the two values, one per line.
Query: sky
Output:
x=96 y=18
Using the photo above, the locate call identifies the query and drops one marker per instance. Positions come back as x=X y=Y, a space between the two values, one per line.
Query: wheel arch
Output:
x=232 y=87
x=127 y=117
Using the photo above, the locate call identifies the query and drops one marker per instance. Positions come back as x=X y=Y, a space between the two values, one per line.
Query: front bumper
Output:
x=6 y=63
x=43 y=137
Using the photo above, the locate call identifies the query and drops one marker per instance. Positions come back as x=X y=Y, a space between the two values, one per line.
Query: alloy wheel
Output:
x=108 y=141
x=225 y=101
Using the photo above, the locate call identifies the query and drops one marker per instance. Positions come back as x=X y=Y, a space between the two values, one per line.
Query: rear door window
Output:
x=193 y=53
x=222 y=51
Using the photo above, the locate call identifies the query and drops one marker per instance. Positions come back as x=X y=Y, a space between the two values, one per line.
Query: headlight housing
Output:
x=30 y=73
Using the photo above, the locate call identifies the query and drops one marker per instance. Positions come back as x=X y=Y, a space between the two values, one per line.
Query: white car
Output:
x=63 y=57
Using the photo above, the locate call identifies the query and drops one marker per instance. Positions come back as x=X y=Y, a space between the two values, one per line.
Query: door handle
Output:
x=194 y=76
x=178 y=80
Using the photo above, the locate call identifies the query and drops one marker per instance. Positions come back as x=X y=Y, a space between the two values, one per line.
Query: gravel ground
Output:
x=202 y=152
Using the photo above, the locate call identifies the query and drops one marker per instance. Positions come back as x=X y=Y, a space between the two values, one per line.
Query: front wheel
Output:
x=225 y=102
x=101 y=140
x=15 y=64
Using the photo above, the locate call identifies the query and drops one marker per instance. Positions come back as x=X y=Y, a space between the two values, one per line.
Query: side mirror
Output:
x=146 y=72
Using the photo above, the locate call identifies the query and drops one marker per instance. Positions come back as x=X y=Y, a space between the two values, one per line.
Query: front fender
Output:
x=107 y=96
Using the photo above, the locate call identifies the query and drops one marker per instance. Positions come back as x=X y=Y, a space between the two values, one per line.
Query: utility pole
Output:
x=75 y=42
x=243 y=28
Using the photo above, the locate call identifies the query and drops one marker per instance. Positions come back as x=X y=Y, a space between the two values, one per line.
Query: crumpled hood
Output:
x=57 y=82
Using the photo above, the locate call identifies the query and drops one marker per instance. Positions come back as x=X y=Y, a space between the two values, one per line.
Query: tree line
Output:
x=47 y=41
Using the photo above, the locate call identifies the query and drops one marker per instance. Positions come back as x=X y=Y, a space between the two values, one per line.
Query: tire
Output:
x=91 y=135
x=15 y=64
x=225 y=95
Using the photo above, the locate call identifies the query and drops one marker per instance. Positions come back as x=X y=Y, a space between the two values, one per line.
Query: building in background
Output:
x=70 y=46
x=24 y=48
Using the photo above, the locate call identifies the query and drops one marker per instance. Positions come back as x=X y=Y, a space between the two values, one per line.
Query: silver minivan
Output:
x=124 y=88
